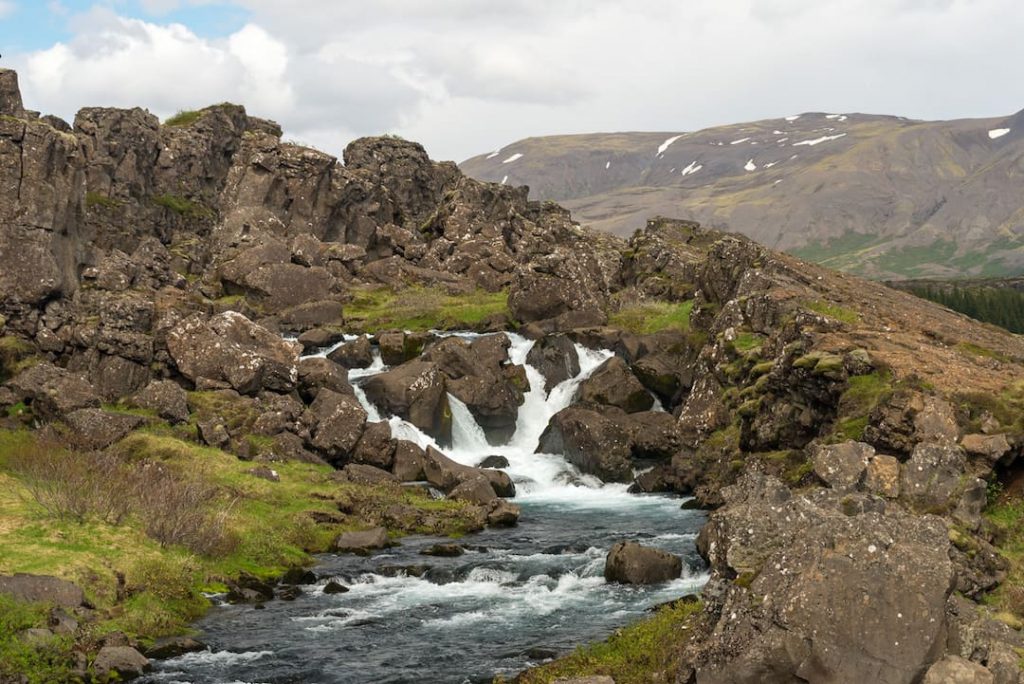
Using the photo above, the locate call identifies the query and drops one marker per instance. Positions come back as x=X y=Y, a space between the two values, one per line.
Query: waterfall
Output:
x=533 y=473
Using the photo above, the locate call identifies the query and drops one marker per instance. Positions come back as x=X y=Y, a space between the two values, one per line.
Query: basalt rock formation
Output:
x=847 y=434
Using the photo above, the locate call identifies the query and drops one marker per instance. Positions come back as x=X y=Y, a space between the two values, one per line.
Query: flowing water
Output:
x=516 y=597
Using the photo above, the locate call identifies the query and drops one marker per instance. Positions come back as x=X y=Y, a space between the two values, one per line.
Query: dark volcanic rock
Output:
x=355 y=354
x=631 y=563
x=555 y=358
x=98 y=429
x=122 y=662
x=336 y=422
x=232 y=348
x=592 y=442
x=417 y=392
x=612 y=384
x=166 y=398
x=42 y=589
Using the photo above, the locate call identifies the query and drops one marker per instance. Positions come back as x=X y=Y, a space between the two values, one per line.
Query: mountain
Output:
x=880 y=196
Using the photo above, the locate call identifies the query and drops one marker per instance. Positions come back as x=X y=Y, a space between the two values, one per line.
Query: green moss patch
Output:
x=183 y=206
x=839 y=313
x=422 y=308
x=633 y=655
x=652 y=316
x=184 y=117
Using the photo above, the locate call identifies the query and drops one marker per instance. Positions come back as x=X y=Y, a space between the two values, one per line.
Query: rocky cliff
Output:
x=851 y=437
x=880 y=196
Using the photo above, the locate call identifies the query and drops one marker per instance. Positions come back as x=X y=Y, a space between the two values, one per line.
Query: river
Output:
x=516 y=597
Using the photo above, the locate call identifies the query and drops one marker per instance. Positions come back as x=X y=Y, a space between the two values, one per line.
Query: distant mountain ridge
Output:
x=881 y=196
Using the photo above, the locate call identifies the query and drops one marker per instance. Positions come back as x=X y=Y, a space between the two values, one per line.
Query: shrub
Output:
x=185 y=511
x=183 y=206
x=184 y=117
x=74 y=486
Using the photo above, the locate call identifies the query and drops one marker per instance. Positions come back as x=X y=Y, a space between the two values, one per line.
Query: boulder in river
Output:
x=630 y=563
x=555 y=358
x=119 y=663
x=363 y=541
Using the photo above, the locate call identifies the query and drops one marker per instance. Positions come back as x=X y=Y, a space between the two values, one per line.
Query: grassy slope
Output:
x=421 y=308
x=163 y=585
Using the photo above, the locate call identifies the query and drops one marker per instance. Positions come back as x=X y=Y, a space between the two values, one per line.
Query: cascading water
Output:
x=516 y=597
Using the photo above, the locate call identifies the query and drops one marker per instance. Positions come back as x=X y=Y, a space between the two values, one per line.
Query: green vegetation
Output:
x=15 y=356
x=632 y=655
x=200 y=521
x=838 y=252
x=183 y=206
x=985 y=301
x=422 y=308
x=862 y=395
x=98 y=199
x=47 y=661
x=971 y=349
x=1007 y=517
x=652 y=316
x=184 y=118
x=840 y=313
x=747 y=341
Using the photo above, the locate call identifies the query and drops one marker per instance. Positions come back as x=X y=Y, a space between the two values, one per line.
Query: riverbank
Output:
x=144 y=589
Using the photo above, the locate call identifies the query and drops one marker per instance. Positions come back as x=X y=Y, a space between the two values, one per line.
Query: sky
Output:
x=464 y=77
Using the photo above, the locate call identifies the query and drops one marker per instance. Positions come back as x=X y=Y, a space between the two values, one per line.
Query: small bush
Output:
x=184 y=117
x=183 y=206
x=74 y=486
x=174 y=508
x=98 y=199
x=184 y=511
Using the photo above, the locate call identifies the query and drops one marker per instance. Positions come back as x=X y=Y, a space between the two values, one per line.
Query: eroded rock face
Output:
x=416 y=391
x=555 y=358
x=612 y=384
x=480 y=375
x=231 y=348
x=827 y=596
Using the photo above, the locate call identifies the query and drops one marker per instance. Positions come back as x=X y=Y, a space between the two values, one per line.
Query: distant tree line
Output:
x=1002 y=306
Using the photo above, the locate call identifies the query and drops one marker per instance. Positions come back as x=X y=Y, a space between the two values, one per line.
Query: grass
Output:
x=98 y=199
x=1007 y=516
x=863 y=393
x=421 y=308
x=632 y=655
x=976 y=350
x=15 y=356
x=747 y=341
x=48 y=663
x=183 y=206
x=184 y=117
x=840 y=313
x=271 y=522
x=652 y=316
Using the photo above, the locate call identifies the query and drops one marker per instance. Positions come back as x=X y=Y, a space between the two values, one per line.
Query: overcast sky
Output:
x=467 y=76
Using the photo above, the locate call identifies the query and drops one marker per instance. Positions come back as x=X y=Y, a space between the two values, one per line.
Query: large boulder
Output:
x=630 y=563
x=95 y=429
x=555 y=358
x=480 y=376
x=231 y=348
x=165 y=398
x=362 y=542
x=417 y=392
x=357 y=353
x=42 y=589
x=120 y=663
x=446 y=474
x=376 y=447
x=336 y=424
x=956 y=670
x=409 y=461
x=316 y=373
x=53 y=392
x=596 y=444
x=613 y=384
x=822 y=592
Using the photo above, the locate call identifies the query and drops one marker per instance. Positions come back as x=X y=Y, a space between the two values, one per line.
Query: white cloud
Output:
x=465 y=77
